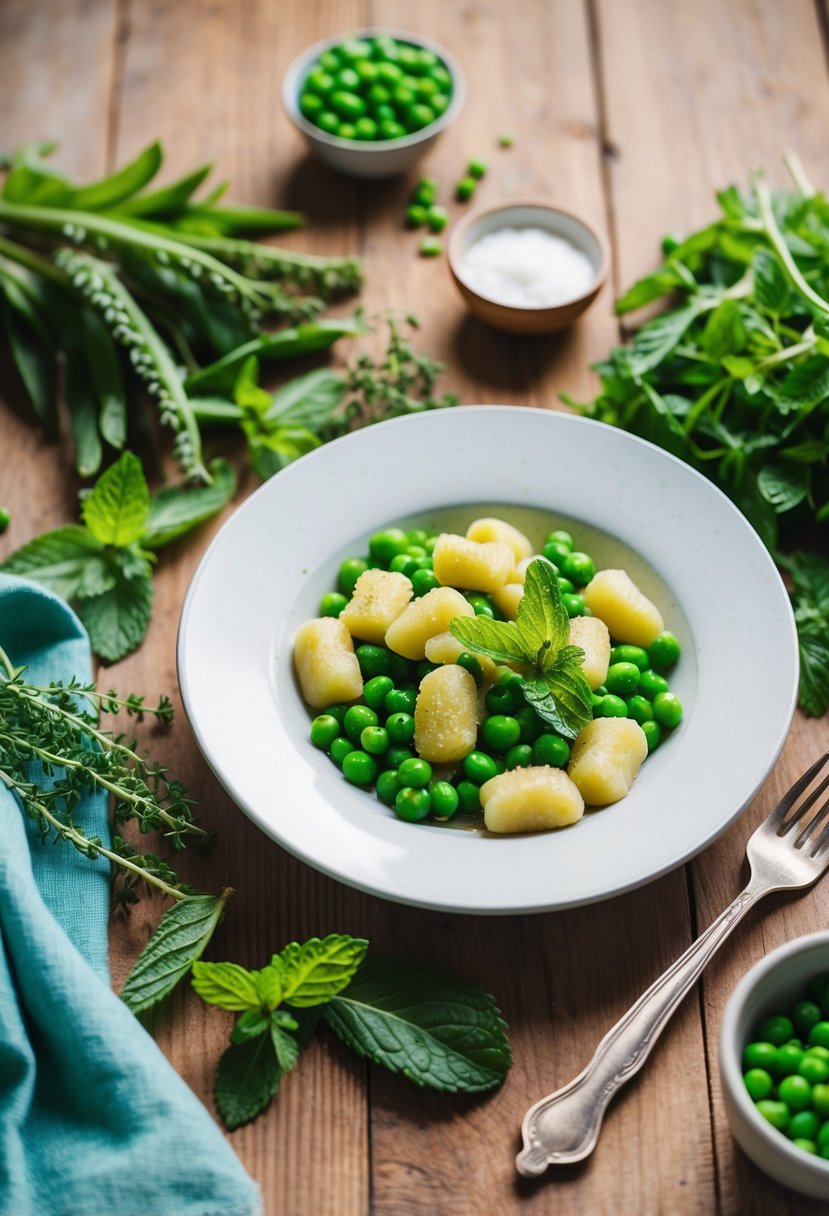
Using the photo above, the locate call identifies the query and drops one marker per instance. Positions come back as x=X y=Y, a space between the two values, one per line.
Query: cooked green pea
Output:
x=667 y=709
x=520 y=756
x=311 y=105
x=478 y=767
x=413 y=804
x=430 y=247
x=443 y=76
x=445 y=799
x=329 y=61
x=787 y=1060
x=359 y=768
x=796 y=1092
x=757 y=1081
x=387 y=543
x=418 y=115
x=365 y=128
x=426 y=88
x=388 y=786
x=340 y=748
x=401 y=701
x=391 y=130
x=403 y=97
x=348 y=105
x=776 y=1113
x=383 y=112
x=332 y=603
x=401 y=727
x=374 y=740
x=640 y=709
x=423 y=580
x=472 y=664
x=565 y=586
x=664 y=651
x=366 y=72
x=805 y=1015
x=476 y=169
x=349 y=571
x=469 y=797
x=819 y=1035
x=804 y=1125
x=651 y=684
x=376 y=690
x=776 y=1029
x=529 y=722
x=551 y=749
x=500 y=700
x=481 y=605
x=354 y=49
x=347 y=79
x=398 y=755
x=373 y=660
x=622 y=679
x=415 y=215
x=439 y=103
x=328 y=121
x=578 y=567
x=574 y=604
x=759 y=1054
x=611 y=706
x=347 y=130
x=465 y=188
x=814 y=1068
x=318 y=82
x=357 y=718
x=324 y=730
x=338 y=712
x=820 y=1100
x=416 y=773
x=437 y=217
x=499 y=732
x=389 y=74
x=630 y=654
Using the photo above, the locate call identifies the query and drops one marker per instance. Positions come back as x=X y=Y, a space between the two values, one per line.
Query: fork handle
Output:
x=563 y=1127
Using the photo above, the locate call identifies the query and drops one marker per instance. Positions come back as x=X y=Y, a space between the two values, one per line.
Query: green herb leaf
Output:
x=117 y=620
x=227 y=985
x=771 y=286
x=112 y=190
x=249 y=1025
x=105 y=374
x=724 y=333
x=169 y=199
x=542 y=622
x=813 y=643
x=655 y=340
x=308 y=400
x=498 y=640
x=68 y=561
x=116 y=511
x=175 y=510
x=270 y=453
x=246 y=1080
x=806 y=385
x=561 y=696
x=32 y=181
x=270 y=983
x=285 y=1046
x=662 y=282
x=433 y=1027
x=181 y=937
x=784 y=486
x=34 y=358
x=317 y=970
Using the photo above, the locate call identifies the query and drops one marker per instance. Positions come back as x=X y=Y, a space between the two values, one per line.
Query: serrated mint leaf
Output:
x=566 y=683
x=724 y=332
x=176 y=509
x=181 y=936
x=117 y=620
x=498 y=640
x=270 y=984
x=542 y=622
x=227 y=985
x=318 y=969
x=246 y=1080
x=249 y=1025
x=810 y=575
x=116 y=510
x=435 y=1028
x=68 y=561
x=784 y=486
x=771 y=284
x=285 y=1046
x=658 y=337
x=806 y=385
x=813 y=643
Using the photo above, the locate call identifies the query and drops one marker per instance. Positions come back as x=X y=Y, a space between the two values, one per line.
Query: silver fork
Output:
x=564 y=1127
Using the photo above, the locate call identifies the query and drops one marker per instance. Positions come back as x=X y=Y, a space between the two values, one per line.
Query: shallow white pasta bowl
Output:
x=630 y=504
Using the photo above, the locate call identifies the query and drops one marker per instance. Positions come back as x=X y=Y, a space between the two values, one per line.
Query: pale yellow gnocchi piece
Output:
x=591 y=633
x=475 y=566
x=445 y=715
x=507 y=598
x=520 y=572
x=530 y=800
x=379 y=598
x=630 y=616
x=423 y=618
x=445 y=648
x=325 y=662
x=489 y=529
x=606 y=759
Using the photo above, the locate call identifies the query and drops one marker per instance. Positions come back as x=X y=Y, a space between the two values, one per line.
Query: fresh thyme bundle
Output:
x=734 y=379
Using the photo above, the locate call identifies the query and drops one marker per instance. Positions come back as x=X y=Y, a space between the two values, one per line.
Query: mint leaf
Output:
x=499 y=640
x=249 y=1025
x=117 y=620
x=116 y=510
x=658 y=337
x=542 y=622
x=317 y=970
x=285 y=1047
x=227 y=985
x=561 y=696
x=771 y=286
x=68 y=561
x=784 y=486
x=435 y=1028
x=246 y=1080
x=813 y=643
x=271 y=451
x=176 y=509
x=308 y=400
x=181 y=936
x=724 y=332
x=270 y=982
x=806 y=385
x=810 y=576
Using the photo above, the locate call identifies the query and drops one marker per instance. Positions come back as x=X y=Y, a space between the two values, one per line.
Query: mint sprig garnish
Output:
x=436 y=1029
x=539 y=641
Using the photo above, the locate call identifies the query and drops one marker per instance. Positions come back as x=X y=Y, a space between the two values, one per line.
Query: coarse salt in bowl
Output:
x=527 y=267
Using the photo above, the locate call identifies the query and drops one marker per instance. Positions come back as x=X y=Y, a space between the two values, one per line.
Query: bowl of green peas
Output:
x=774 y=1064
x=370 y=103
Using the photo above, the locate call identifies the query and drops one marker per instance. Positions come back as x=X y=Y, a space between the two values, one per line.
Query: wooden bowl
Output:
x=528 y=213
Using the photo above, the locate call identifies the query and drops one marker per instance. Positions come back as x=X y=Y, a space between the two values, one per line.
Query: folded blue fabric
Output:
x=93 y=1119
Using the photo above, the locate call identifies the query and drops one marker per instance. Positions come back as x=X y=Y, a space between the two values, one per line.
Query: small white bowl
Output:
x=528 y=213
x=773 y=985
x=370 y=158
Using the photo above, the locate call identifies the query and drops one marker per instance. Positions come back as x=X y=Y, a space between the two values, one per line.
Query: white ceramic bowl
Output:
x=773 y=985
x=689 y=549
x=380 y=158
x=528 y=213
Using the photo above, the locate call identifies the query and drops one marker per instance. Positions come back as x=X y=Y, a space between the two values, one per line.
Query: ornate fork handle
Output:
x=563 y=1127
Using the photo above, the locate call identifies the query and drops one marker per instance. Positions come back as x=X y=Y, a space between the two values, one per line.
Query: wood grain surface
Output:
x=634 y=112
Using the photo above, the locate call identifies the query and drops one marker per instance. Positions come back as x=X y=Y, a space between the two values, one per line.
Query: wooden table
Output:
x=635 y=112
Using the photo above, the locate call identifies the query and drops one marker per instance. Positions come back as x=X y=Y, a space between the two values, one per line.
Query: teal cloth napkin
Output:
x=93 y=1119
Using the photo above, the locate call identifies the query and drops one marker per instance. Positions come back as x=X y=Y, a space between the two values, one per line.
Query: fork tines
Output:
x=801 y=809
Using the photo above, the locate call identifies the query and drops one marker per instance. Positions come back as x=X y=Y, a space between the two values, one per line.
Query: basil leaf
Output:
x=542 y=622
x=227 y=985
x=110 y=191
x=434 y=1028
x=116 y=511
x=317 y=970
x=499 y=640
x=176 y=509
x=246 y=1080
x=117 y=620
x=181 y=937
x=68 y=561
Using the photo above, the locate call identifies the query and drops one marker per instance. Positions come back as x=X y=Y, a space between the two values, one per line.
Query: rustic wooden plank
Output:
x=696 y=98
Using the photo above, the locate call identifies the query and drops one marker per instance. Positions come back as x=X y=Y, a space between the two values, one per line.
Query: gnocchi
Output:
x=531 y=800
x=471 y=564
x=326 y=664
x=606 y=759
x=378 y=599
x=445 y=716
x=423 y=618
x=630 y=616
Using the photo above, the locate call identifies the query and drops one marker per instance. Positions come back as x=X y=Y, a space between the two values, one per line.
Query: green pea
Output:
x=481 y=605
x=374 y=740
x=389 y=74
x=424 y=581
x=808 y=1146
x=476 y=169
x=805 y=1015
x=427 y=87
x=417 y=536
x=478 y=767
x=611 y=706
x=318 y=82
x=651 y=684
x=366 y=71
x=574 y=604
x=348 y=105
x=387 y=786
x=413 y=804
x=332 y=603
x=430 y=247
x=622 y=679
x=426 y=61
x=311 y=105
x=347 y=79
x=814 y=1068
x=419 y=115
x=398 y=755
x=400 y=727
x=437 y=217
x=328 y=121
x=357 y=718
x=324 y=730
x=373 y=660
x=551 y=749
x=667 y=709
x=819 y=1035
x=443 y=76
x=499 y=733
x=465 y=188
x=563 y=538
x=329 y=61
x=529 y=722
x=445 y=799
x=653 y=735
x=820 y=1100
x=402 y=96
x=387 y=543
x=579 y=568
x=376 y=690
x=506 y=139
x=520 y=756
x=348 y=573
x=640 y=709
x=416 y=215
x=759 y=1054
x=354 y=49
x=555 y=551
x=365 y=128
x=378 y=95
x=402 y=671
x=407 y=58
x=500 y=700
x=469 y=797
x=804 y=1125
x=424 y=668
x=664 y=651
x=787 y=1060
x=415 y=772
x=776 y=1029
x=338 y=712
x=472 y=664
x=359 y=768
x=796 y=1092
x=400 y=701
x=389 y=129
x=341 y=748
x=630 y=654
x=757 y=1081
x=439 y=103
x=776 y=1113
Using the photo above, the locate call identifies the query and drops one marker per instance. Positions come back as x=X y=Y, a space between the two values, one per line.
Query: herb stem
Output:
x=31 y=261
x=775 y=236
x=798 y=174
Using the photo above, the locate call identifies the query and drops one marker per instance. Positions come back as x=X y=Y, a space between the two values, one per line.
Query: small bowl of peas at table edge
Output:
x=781 y=1007
x=371 y=127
